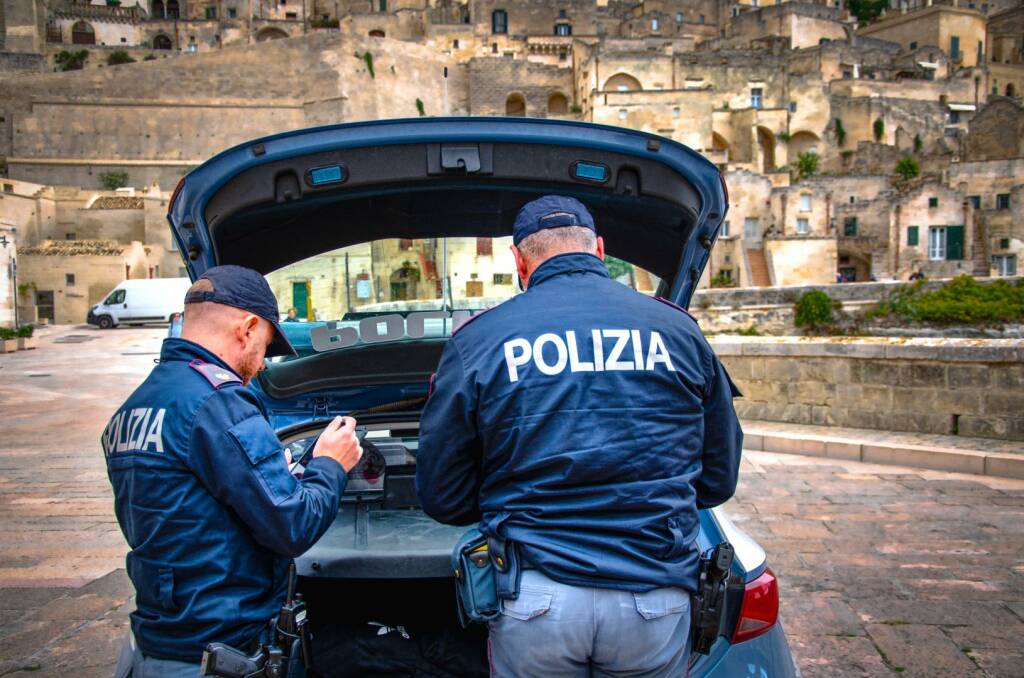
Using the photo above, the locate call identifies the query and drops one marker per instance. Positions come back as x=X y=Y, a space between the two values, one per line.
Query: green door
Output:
x=300 y=299
x=954 y=242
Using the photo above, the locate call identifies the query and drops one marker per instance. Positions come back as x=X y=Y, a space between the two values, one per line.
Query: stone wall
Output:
x=946 y=386
x=12 y=63
x=493 y=80
x=770 y=309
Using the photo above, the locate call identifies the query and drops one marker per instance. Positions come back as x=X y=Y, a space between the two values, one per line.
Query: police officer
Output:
x=585 y=423
x=201 y=485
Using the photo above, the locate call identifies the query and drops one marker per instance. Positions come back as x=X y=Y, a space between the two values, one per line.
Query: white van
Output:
x=134 y=302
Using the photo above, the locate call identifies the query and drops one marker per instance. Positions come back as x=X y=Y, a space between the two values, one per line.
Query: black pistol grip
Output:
x=225 y=661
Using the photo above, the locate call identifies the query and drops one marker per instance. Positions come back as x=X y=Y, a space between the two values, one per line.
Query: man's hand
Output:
x=339 y=442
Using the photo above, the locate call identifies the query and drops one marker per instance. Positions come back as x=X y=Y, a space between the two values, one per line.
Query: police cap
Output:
x=551 y=211
x=246 y=289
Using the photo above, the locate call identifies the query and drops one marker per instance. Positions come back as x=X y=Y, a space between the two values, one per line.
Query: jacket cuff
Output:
x=329 y=469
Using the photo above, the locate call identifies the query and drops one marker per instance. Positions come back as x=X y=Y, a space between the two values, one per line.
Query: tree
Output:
x=879 y=129
x=119 y=57
x=806 y=165
x=907 y=168
x=71 y=61
x=113 y=180
x=866 y=10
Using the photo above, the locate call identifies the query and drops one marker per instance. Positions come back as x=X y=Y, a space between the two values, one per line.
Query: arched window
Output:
x=622 y=82
x=803 y=142
x=515 y=105
x=558 y=104
x=377 y=33
x=157 y=9
x=270 y=34
x=162 y=42
x=83 y=34
x=499 y=21
x=172 y=9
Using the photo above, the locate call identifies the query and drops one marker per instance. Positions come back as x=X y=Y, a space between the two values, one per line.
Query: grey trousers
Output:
x=133 y=664
x=558 y=631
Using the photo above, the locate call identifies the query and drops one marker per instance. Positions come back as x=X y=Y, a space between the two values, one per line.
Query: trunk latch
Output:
x=320 y=407
x=460 y=158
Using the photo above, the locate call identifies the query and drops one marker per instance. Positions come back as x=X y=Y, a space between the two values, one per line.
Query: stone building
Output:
x=806 y=113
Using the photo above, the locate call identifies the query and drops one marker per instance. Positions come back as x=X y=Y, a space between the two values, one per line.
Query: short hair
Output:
x=548 y=242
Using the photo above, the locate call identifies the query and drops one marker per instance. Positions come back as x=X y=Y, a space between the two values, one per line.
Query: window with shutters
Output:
x=499 y=21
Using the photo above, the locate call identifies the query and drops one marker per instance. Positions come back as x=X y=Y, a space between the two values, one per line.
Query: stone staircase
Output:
x=758 y=267
x=980 y=259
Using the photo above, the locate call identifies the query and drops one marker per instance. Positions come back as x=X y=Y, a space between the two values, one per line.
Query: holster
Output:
x=487 y=570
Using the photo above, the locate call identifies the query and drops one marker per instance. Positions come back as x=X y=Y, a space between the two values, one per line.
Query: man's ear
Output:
x=600 y=248
x=521 y=267
x=248 y=326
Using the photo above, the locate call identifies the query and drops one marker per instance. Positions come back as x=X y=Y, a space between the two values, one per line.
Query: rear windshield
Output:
x=398 y=289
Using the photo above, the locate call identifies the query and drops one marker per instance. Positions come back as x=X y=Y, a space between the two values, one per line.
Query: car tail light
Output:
x=760 y=608
x=174 y=195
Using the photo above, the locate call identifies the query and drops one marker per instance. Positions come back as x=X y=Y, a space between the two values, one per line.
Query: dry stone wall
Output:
x=945 y=386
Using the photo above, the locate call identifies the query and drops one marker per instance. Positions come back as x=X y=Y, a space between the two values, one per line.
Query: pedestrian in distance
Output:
x=174 y=329
x=583 y=424
x=202 y=490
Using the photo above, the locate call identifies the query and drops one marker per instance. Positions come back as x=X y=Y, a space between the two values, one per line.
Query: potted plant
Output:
x=8 y=340
x=25 y=338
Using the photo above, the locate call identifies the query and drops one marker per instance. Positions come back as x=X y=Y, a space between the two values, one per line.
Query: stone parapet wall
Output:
x=771 y=309
x=967 y=387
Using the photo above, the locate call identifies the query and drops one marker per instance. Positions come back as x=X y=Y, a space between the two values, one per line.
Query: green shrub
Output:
x=866 y=10
x=419 y=107
x=748 y=332
x=814 y=309
x=963 y=300
x=25 y=331
x=618 y=268
x=840 y=132
x=113 y=180
x=807 y=164
x=149 y=57
x=7 y=333
x=722 y=279
x=879 y=129
x=71 y=61
x=907 y=168
x=368 y=58
x=119 y=57
x=918 y=143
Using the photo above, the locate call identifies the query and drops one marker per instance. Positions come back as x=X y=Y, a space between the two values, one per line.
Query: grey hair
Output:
x=548 y=242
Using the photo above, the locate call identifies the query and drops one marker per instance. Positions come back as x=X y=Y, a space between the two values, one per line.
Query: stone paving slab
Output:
x=883 y=570
x=960 y=454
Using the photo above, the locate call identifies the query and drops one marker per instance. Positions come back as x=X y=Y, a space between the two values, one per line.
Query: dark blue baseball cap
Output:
x=551 y=211
x=246 y=289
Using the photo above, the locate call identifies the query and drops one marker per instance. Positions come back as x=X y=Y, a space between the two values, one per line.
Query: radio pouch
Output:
x=486 y=572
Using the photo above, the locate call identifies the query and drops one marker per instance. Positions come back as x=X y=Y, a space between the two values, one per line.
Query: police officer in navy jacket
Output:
x=586 y=423
x=201 y=484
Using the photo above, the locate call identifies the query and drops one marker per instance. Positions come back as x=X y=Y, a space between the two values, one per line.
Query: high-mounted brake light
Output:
x=760 y=609
x=174 y=195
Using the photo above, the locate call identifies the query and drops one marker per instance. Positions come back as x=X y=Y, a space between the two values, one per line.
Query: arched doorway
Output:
x=558 y=104
x=622 y=82
x=803 y=142
x=719 y=145
x=270 y=34
x=515 y=105
x=156 y=10
x=766 y=142
x=376 y=33
x=1011 y=91
x=173 y=12
x=162 y=42
x=83 y=34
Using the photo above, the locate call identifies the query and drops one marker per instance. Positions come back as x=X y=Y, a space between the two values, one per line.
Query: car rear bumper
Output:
x=767 y=655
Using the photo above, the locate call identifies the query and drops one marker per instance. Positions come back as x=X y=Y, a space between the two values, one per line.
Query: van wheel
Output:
x=105 y=322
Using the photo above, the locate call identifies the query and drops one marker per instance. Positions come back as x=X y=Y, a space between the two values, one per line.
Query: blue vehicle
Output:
x=386 y=235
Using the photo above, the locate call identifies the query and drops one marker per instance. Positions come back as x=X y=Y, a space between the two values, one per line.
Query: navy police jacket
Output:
x=585 y=422
x=205 y=500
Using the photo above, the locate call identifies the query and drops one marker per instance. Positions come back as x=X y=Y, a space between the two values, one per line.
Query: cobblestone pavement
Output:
x=883 y=570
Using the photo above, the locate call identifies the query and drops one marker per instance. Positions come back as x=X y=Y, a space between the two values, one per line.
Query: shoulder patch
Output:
x=215 y=374
x=471 y=319
x=676 y=306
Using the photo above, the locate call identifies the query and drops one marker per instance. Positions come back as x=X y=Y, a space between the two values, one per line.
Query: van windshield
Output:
x=401 y=289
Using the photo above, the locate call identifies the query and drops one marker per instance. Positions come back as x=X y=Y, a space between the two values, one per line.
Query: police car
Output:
x=385 y=236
